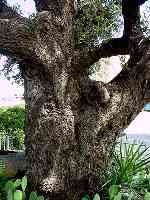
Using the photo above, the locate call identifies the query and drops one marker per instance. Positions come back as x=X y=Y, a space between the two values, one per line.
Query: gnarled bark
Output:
x=71 y=121
x=72 y=124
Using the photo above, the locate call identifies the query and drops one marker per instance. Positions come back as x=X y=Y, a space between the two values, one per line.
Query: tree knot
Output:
x=94 y=92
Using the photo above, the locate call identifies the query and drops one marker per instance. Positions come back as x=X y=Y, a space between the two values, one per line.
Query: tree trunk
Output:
x=71 y=124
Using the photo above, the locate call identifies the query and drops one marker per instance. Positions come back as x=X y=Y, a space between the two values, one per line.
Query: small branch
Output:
x=138 y=45
x=86 y=57
x=11 y=24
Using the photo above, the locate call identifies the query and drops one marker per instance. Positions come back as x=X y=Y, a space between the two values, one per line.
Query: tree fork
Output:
x=68 y=141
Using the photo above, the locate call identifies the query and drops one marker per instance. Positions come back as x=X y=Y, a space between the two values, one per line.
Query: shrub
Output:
x=12 y=124
x=3 y=181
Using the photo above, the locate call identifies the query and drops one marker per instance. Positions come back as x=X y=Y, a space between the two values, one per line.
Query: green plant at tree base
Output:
x=147 y=196
x=96 y=197
x=128 y=176
x=16 y=190
x=3 y=181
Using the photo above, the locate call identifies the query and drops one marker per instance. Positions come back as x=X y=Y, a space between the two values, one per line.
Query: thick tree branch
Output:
x=12 y=38
x=7 y=12
x=48 y=5
x=55 y=7
x=22 y=38
x=129 y=42
x=60 y=11
x=131 y=15
x=11 y=26
x=137 y=70
x=84 y=58
x=16 y=41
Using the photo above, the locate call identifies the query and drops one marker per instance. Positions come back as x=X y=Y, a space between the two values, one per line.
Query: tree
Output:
x=72 y=121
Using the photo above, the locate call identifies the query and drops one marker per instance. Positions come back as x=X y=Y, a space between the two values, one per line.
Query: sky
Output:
x=8 y=88
x=142 y=118
x=27 y=6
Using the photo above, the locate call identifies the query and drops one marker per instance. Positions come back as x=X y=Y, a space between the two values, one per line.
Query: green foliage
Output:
x=113 y=191
x=96 y=197
x=147 y=196
x=16 y=191
x=3 y=181
x=31 y=24
x=12 y=124
x=96 y=20
x=128 y=176
x=34 y=196
x=11 y=70
x=128 y=160
x=24 y=183
x=86 y=197
x=18 y=195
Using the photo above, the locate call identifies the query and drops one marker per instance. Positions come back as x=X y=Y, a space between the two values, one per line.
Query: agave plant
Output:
x=128 y=171
x=128 y=160
x=127 y=177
